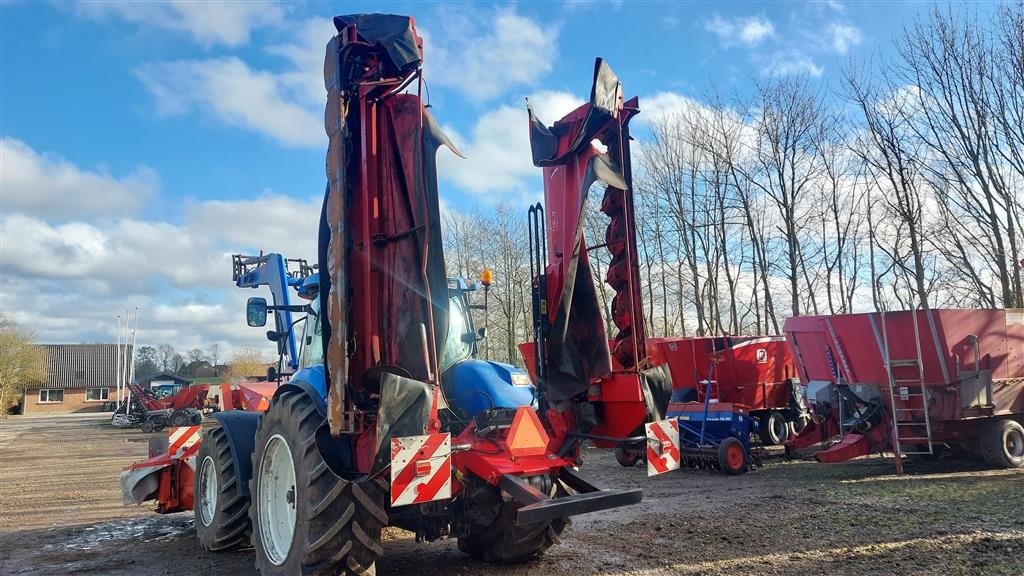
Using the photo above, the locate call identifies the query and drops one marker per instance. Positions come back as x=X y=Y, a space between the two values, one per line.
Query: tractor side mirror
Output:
x=256 y=311
x=271 y=374
x=481 y=334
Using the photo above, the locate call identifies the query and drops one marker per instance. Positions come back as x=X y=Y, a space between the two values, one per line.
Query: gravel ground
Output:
x=60 y=512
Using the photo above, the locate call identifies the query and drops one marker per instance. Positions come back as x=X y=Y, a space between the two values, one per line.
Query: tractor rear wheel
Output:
x=305 y=519
x=774 y=429
x=1002 y=444
x=179 y=417
x=732 y=456
x=495 y=537
x=221 y=512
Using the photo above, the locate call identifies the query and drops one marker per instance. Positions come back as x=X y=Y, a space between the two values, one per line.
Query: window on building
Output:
x=51 y=396
x=96 y=394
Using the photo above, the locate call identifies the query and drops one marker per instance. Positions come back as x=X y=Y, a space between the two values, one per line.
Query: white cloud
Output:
x=749 y=31
x=483 y=57
x=208 y=23
x=236 y=94
x=305 y=81
x=68 y=280
x=48 y=185
x=498 y=162
x=791 y=62
x=842 y=37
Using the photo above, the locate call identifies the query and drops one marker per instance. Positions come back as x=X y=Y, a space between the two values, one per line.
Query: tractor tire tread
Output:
x=992 y=443
x=230 y=528
x=341 y=536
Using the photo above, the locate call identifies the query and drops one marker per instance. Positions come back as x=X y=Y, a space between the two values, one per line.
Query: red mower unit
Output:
x=913 y=383
x=149 y=412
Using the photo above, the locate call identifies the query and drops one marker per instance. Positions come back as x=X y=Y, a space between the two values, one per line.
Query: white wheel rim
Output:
x=277 y=499
x=208 y=485
x=778 y=425
x=1015 y=444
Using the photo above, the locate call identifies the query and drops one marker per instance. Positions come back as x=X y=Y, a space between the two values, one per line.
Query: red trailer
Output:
x=913 y=382
x=755 y=372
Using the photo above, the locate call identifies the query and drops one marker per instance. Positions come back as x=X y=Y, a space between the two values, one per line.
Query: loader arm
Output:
x=279 y=274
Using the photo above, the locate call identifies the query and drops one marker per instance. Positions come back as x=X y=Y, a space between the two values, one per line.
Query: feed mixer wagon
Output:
x=364 y=439
x=913 y=382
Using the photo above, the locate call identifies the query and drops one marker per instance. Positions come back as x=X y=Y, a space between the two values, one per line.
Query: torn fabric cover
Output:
x=391 y=32
x=578 y=348
x=552 y=146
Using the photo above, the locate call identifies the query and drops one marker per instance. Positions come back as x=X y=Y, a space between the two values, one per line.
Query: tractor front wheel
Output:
x=495 y=537
x=221 y=512
x=305 y=519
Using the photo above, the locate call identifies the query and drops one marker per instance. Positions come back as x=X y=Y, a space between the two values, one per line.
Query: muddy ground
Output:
x=60 y=513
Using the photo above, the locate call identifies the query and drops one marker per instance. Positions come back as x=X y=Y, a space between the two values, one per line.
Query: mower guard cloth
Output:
x=382 y=272
x=553 y=146
x=657 y=385
x=388 y=31
x=404 y=411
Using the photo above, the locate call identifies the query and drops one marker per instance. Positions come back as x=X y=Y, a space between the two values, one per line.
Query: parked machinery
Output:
x=390 y=428
x=756 y=373
x=913 y=382
x=146 y=410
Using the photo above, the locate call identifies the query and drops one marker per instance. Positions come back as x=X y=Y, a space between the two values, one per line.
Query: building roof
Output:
x=147 y=380
x=81 y=365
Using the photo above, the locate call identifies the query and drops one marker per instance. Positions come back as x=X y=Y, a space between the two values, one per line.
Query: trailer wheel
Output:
x=797 y=425
x=732 y=456
x=305 y=519
x=1002 y=444
x=774 y=429
x=221 y=513
x=148 y=425
x=495 y=537
x=625 y=458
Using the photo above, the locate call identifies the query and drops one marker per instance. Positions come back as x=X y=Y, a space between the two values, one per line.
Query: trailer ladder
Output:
x=911 y=424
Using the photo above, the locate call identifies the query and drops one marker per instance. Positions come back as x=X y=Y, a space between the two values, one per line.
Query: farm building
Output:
x=80 y=378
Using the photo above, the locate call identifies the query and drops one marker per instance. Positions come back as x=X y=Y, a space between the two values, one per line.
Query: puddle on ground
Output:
x=153 y=529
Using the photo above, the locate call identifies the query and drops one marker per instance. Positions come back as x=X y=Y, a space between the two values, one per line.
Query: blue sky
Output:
x=143 y=143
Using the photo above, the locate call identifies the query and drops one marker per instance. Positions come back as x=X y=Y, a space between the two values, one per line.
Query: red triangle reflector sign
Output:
x=527 y=436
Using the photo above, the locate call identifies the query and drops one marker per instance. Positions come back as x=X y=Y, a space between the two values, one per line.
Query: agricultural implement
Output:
x=146 y=410
x=913 y=383
x=754 y=373
x=389 y=429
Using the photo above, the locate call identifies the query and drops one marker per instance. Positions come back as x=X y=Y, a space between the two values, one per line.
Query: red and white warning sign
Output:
x=662 y=446
x=183 y=443
x=421 y=469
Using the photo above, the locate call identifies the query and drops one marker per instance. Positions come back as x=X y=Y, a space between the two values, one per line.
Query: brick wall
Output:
x=74 y=401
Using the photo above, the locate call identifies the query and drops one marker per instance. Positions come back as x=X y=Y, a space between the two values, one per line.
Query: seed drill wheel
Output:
x=494 y=535
x=221 y=513
x=1002 y=444
x=305 y=519
x=774 y=429
x=732 y=457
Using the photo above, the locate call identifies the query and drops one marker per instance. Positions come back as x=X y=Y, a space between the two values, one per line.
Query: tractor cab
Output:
x=471 y=385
